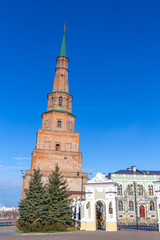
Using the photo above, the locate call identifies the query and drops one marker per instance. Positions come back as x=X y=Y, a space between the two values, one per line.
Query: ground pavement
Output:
x=6 y=233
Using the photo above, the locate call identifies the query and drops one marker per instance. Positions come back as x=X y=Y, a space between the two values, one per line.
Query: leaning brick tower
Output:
x=57 y=143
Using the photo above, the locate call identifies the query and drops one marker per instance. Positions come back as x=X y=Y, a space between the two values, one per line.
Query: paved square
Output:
x=6 y=233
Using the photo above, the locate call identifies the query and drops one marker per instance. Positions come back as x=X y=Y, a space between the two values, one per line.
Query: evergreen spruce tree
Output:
x=34 y=208
x=60 y=212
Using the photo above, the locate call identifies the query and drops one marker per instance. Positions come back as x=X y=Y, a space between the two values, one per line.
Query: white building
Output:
x=107 y=203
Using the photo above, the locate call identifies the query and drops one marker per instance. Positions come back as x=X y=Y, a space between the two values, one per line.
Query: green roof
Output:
x=63 y=47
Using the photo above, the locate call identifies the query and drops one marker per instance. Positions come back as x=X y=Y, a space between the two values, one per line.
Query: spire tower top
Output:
x=63 y=46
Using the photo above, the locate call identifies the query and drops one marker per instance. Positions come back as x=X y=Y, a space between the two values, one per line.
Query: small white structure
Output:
x=6 y=209
x=157 y=190
x=98 y=210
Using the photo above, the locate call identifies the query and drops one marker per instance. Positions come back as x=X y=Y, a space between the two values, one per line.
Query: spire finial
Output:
x=63 y=46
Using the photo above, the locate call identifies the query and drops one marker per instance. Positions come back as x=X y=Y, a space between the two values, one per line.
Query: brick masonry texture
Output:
x=50 y=121
x=57 y=143
x=61 y=76
x=53 y=100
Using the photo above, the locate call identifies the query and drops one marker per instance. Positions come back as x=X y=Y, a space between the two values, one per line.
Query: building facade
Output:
x=56 y=142
x=123 y=199
x=136 y=196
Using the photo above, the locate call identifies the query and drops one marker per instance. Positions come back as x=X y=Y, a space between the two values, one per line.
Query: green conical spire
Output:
x=63 y=46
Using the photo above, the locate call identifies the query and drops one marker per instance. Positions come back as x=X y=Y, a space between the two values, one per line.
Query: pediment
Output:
x=99 y=178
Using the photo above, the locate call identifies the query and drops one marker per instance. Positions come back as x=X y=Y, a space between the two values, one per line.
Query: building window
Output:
x=140 y=189
x=119 y=189
x=131 y=208
x=57 y=147
x=60 y=101
x=152 y=208
x=150 y=189
x=62 y=62
x=120 y=206
x=130 y=189
x=52 y=101
x=59 y=124
x=67 y=103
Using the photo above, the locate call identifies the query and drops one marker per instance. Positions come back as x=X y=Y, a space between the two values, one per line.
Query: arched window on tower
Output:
x=67 y=103
x=120 y=206
x=131 y=208
x=57 y=147
x=59 y=124
x=152 y=207
x=62 y=62
x=60 y=101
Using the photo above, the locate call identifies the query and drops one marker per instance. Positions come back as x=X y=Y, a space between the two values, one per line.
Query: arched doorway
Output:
x=100 y=215
x=142 y=211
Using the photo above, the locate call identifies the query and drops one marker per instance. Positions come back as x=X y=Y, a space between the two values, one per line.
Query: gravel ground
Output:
x=6 y=233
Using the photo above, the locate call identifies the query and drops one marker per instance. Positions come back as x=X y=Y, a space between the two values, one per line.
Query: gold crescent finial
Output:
x=64 y=27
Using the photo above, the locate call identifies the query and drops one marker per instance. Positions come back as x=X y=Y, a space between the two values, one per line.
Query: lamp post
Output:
x=82 y=183
x=135 y=198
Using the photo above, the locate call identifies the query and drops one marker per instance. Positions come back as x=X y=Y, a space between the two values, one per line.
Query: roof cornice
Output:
x=56 y=110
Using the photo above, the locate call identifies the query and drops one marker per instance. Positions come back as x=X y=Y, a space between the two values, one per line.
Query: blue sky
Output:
x=114 y=77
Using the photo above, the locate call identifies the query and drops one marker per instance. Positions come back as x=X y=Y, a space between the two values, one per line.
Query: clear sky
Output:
x=114 y=77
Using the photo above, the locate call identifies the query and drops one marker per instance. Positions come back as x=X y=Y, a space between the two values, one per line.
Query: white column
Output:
x=107 y=210
x=77 y=210
x=158 y=210
x=111 y=218
x=114 y=209
x=157 y=191
x=83 y=215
